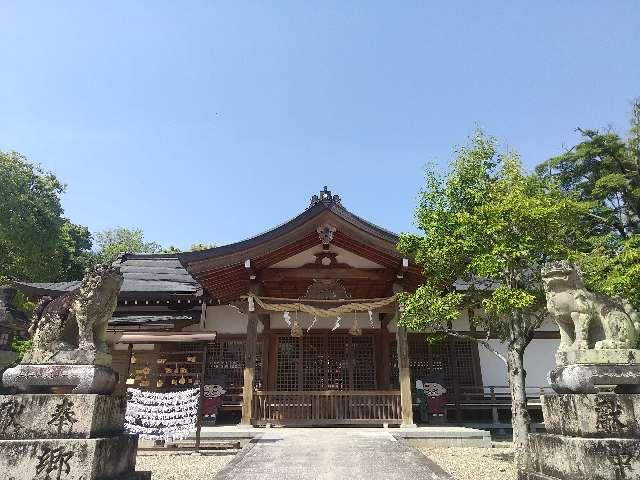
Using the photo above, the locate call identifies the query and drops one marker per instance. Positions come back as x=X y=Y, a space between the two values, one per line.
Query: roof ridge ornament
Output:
x=325 y=196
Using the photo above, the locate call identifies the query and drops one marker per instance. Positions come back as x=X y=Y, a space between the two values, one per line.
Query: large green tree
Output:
x=491 y=226
x=113 y=242
x=36 y=242
x=604 y=169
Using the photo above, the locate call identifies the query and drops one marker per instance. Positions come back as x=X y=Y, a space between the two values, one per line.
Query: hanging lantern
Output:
x=296 y=329
x=182 y=380
x=355 y=329
x=159 y=383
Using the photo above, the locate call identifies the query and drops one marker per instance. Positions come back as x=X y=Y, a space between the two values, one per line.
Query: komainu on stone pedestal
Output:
x=593 y=424
x=598 y=336
x=69 y=348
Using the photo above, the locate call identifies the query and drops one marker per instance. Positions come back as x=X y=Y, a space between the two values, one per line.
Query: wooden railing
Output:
x=331 y=407
x=493 y=398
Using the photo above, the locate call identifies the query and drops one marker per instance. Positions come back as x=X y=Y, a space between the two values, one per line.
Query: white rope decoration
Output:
x=353 y=306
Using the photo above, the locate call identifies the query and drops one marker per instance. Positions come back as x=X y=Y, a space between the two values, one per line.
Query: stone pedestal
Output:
x=74 y=378
x=65 y=437
x=588 y=437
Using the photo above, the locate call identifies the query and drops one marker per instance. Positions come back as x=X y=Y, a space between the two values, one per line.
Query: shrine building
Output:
x=299 y=327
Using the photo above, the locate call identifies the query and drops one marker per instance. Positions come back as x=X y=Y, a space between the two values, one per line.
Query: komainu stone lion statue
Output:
x=71 y=329
x=587 y=320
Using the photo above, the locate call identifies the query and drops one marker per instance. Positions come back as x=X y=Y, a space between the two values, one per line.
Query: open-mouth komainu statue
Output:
x=598 y=334
x=587 y=319
x=68 y=335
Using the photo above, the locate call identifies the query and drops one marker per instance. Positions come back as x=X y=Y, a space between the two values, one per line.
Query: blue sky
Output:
x=213 y=121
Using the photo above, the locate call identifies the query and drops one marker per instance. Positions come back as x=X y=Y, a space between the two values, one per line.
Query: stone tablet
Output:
x=60 y=416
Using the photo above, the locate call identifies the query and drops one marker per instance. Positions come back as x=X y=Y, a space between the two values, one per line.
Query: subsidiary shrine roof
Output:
x=152 y=275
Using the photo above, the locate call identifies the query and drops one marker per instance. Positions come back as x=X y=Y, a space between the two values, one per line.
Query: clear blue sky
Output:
x=213 y=121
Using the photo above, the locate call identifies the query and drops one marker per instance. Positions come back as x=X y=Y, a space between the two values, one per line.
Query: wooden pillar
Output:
x=404 y=372
x=249 y=367
x=384 y=380
x=266 y=343
x=249 y=362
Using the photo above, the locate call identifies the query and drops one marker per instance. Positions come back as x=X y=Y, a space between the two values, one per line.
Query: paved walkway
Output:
x=323 y=454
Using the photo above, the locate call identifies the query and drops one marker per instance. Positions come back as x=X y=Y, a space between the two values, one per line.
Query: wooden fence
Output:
x=333 y=407
x=495 y=399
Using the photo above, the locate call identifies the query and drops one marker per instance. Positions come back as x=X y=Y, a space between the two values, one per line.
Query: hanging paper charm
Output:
x=286 y=316
x=337 y=324
x=371 y=319
x=315 y=319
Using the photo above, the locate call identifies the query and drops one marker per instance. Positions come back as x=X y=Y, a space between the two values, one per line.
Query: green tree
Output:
x=195 y=247
x=36 y=242
x=604 y=169
x=491 y=226
x=113 y=242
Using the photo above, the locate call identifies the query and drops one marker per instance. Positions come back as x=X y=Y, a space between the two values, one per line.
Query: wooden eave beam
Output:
x=279 y=274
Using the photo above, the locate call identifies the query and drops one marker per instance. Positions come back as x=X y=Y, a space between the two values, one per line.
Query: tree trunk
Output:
x=519 y=414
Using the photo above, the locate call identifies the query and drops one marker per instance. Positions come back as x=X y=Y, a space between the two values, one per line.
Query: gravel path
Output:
x=165 y=466
x=474 y=463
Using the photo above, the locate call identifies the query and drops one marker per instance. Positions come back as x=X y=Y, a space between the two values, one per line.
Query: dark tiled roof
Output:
x=143 y=274
x=142 y=319
x=317 y=207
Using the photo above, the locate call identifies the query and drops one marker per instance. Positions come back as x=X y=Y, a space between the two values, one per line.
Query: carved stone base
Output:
x=65 y=437
x=574 y=458
x=61 y=415
x=594 y=356
x=589 y=437
x=69 y=459
x=77 y=378
x=591 y=378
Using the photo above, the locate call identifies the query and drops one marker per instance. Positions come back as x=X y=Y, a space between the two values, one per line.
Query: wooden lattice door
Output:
x=325 y=361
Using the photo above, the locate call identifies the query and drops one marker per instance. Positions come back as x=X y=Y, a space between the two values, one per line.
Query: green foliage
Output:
x=604 y=170
x=111 y=243
x=20 y=347
x=170 y=249
x=195 y=247
x=491 y=226
x=612 y=267
x=36 y=242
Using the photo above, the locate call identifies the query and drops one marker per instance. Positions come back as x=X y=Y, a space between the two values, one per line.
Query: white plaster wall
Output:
x=224 y=319
x=539 y=358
